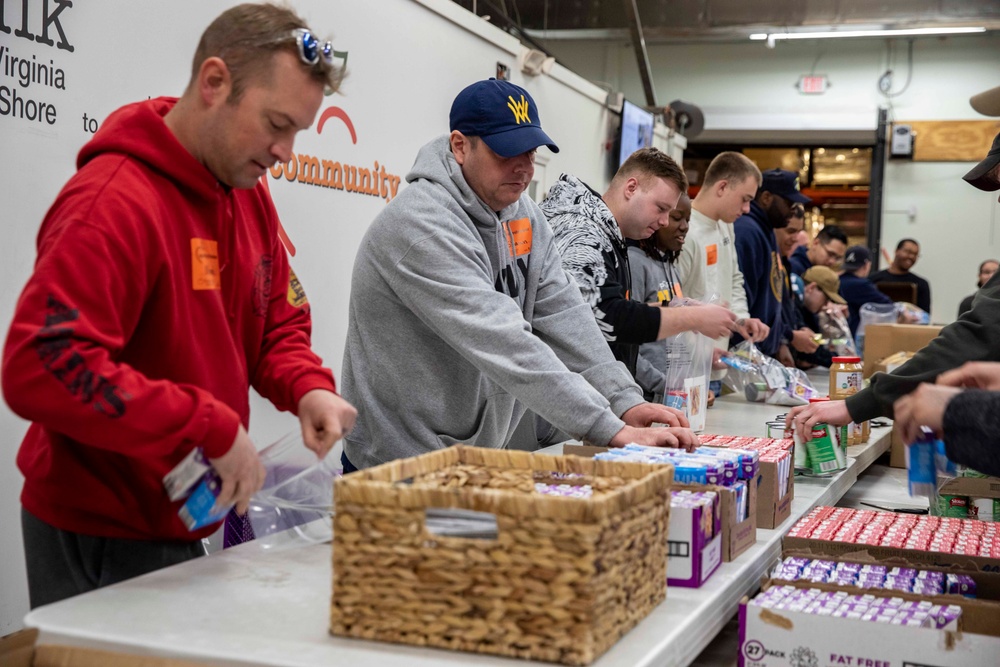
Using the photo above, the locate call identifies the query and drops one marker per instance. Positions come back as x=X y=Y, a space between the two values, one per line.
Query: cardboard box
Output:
x=985 y=571
x=694 y=544
x=21 y=650
x=769 y=638
x=987 y=582
x=980 y=616
x=974 y=487
x=772 y=506
x=883 y=340
x=737 y=536
x=776 y=486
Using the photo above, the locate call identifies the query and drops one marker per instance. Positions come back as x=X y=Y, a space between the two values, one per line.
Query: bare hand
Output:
x=975 y=375
x=325 y=419
x=241 y=472
x=682 y=438
x=803 y=417
x=717 y=355
x=647 y=414
x=924 y=406
x=713 y=321
x=752 y=329
x=804 y=340
x=785 y=356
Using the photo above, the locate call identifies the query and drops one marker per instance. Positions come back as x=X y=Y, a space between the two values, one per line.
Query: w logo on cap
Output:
x=520 y=109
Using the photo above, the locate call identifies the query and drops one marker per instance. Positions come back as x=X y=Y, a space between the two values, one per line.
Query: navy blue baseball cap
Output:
x=856 y=257
x=503 y=115
x=783 y=183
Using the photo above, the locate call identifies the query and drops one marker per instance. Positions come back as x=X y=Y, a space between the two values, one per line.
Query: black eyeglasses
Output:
x=312 y=49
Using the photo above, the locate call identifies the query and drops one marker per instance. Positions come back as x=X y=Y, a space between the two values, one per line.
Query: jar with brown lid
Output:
x=846 y=377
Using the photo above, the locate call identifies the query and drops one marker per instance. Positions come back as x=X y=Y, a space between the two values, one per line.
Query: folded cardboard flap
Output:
x=974 y=487
x=21 y=649
x=17 y=649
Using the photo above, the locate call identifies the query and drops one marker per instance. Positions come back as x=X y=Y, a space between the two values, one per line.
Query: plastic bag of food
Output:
x=297 y=497
x=688 y=371
x=764 y=379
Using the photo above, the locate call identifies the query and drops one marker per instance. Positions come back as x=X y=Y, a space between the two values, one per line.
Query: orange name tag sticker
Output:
x=712 y=254
x=205 y=264
x=519 y=241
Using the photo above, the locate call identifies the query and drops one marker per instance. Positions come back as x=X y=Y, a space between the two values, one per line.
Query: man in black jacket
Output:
x=960 y=416
x=590 y=233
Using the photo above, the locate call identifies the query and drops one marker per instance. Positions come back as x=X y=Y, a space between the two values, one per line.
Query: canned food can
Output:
x=775 y=430
x=956 y=507
x=756 y=391
x=824 y=457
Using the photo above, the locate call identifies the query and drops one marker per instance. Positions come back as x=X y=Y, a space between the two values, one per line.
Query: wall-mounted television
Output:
x=636 y=130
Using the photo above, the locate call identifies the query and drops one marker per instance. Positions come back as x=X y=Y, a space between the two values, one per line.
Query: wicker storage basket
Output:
x=563 y=579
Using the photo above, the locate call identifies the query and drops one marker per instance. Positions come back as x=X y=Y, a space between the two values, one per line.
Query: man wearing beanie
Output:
x=855 y=287
x=461 y=315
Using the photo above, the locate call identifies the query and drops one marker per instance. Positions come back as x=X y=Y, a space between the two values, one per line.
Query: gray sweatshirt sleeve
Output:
x=453 y=294
x=565 y=322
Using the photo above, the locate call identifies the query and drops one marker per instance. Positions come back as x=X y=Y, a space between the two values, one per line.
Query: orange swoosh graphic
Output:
x=337 y=112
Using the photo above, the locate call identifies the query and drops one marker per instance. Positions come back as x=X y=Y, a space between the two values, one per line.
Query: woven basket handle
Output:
x=460 y=524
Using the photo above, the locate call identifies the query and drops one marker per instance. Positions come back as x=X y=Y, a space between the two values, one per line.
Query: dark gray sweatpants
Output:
x=62 y=564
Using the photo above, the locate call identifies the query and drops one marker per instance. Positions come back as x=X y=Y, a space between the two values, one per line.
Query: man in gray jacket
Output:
x=461 y=315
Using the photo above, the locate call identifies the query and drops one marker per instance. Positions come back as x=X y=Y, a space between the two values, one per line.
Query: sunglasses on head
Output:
x=311 y=49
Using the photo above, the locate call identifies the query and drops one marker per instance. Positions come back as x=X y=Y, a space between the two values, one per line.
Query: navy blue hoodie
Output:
x=763 y=276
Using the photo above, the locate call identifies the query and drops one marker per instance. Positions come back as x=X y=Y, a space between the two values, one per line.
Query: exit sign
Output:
x=813 y=85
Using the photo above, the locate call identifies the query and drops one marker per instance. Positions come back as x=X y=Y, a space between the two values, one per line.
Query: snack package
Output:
x=837 y=332
x=907 y=313
x=763 y=379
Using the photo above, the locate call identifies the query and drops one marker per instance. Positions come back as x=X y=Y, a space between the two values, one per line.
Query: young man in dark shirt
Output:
x=907 y=253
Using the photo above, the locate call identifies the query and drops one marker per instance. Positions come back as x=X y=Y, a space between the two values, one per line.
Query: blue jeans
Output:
x=348 y=466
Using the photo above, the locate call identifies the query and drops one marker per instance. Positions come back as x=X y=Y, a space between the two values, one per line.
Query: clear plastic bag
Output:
x=763 y=379
x=297 y=495
x=834 y=327
x=688 y=371
x=907 y=313
x=873 y=313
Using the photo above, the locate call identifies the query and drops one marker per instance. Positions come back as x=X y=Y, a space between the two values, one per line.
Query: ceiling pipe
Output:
x=641 y=56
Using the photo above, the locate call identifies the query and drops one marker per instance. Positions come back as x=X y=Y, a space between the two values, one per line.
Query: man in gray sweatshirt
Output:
x=461 y=315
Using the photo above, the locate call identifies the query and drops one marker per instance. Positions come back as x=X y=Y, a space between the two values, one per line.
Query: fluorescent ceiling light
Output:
x=826 y=34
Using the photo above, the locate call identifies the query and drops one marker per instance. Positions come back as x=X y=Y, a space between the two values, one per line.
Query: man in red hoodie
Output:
x=160 y=294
